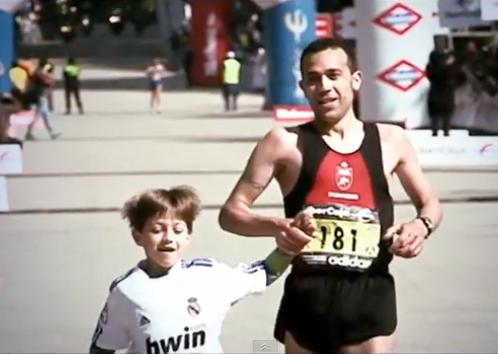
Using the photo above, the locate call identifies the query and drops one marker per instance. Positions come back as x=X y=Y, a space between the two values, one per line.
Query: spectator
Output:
x=231 y=81
x=71 y=75
x=41 y=83
x=441 y=101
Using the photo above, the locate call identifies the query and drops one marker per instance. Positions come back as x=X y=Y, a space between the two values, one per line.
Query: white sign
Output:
x=489 y=10
x=459 y=14
x=10 y=159
x=297 y=114
x=455 y=151
x=4 y=201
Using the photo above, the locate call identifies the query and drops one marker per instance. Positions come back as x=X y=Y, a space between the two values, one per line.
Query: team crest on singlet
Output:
x=343 y=176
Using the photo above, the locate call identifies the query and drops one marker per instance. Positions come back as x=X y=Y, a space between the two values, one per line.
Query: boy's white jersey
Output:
x=181 y=312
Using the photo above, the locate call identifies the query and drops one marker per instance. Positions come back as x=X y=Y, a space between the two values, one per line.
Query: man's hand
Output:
x=295 y=233
x=407 y=239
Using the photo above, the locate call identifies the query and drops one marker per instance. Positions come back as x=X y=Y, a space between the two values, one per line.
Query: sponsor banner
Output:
x=10 y=159
x=455 y=150
x=289 y=27
x=297 y=114
x=323 y=25
x=19 y=122
x=22 y=118
x=394 y=79
x=344 y=23
x=4 y=200
x=460 y=14
x=398 y=18
x=6 y=48
x=489 y=10
x=209 y=21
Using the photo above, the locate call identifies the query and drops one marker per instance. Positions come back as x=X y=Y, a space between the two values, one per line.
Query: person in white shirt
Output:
x=167 y=304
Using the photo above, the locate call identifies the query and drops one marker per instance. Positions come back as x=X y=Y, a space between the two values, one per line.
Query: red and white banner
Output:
x=324 y=25
x=295 y=114
x=211 y=41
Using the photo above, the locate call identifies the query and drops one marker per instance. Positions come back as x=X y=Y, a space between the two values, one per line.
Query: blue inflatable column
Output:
x=289 y=27
x=6 y=49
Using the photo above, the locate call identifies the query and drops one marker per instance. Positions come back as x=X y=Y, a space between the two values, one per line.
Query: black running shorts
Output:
x=325 y=311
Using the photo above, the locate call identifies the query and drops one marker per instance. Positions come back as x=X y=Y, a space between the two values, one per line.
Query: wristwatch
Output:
x=429 y=225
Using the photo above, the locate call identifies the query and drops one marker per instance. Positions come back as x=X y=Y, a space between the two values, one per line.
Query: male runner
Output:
x=340 y=296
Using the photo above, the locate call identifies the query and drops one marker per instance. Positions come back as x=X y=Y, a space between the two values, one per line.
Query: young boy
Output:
x=167 y=304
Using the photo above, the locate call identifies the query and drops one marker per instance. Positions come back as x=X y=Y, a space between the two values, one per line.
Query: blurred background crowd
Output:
x=462 y=70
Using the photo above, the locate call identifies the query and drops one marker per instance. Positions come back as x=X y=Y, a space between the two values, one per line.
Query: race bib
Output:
x=346 y=237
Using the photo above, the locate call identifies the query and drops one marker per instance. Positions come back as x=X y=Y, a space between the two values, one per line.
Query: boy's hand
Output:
x=296 y=234
x=304 y=221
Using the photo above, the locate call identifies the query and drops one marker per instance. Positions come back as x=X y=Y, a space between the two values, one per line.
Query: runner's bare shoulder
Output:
x=391 y=133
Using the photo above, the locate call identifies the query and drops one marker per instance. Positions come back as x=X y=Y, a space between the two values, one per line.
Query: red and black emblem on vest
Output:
x=193 y=307
x=343 y=176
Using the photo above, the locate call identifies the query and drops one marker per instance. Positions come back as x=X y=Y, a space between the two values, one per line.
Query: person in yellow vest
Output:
x=71 y=75
x=231 y=81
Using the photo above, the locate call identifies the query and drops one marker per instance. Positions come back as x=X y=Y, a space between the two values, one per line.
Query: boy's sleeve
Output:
x=242 y=280
x=111 y=331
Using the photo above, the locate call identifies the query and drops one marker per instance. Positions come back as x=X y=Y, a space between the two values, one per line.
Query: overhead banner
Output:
x=489 y=10
x=211 y=41
x=456 y=14
x=289 y=27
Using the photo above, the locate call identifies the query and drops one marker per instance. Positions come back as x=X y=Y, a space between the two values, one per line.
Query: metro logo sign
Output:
x=403 y=75
x=398 y=18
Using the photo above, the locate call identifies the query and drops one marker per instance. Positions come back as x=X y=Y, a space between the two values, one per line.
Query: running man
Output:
x=156 y=73
x=340 y=295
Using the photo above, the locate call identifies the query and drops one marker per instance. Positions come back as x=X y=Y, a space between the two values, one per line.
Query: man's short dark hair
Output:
x=321 y=44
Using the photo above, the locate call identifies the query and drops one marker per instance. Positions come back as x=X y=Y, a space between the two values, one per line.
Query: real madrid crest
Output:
x=193 y=307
